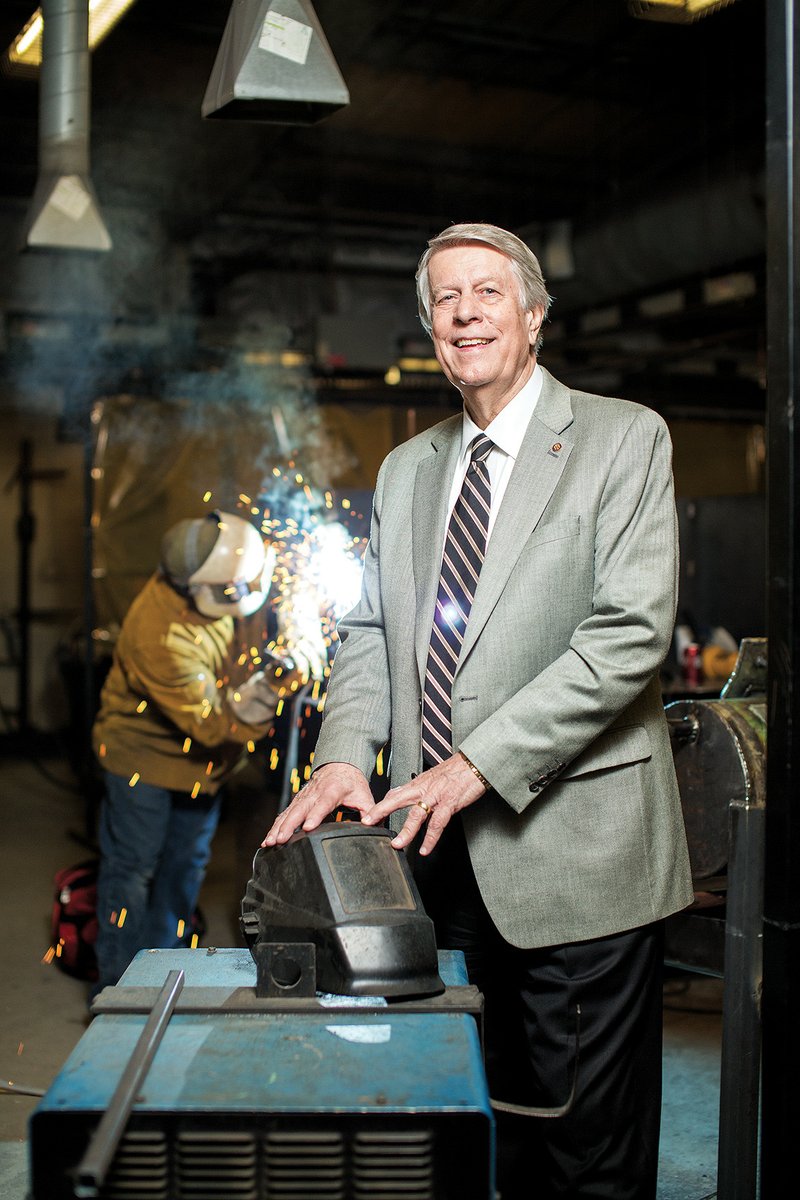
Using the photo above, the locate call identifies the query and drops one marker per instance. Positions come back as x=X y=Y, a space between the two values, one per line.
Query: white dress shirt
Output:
x=506 y=431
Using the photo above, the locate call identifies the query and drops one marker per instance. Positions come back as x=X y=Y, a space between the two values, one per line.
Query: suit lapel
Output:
x=431 y=495
x=535 y=476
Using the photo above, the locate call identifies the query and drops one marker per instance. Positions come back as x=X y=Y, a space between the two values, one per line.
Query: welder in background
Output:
x=190 y=691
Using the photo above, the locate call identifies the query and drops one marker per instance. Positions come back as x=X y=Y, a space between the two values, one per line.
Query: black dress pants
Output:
x=606 y=1147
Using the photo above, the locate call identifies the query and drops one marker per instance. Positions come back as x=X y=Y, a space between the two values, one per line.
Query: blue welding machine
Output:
x=278 y=1092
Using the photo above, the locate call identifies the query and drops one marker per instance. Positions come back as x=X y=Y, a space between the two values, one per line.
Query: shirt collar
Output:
x=508 y=428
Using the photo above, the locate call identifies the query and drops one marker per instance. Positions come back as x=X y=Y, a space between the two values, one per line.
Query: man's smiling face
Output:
x=482 y=336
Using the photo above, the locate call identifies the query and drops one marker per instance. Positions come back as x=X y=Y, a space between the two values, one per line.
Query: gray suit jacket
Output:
x=556 y=698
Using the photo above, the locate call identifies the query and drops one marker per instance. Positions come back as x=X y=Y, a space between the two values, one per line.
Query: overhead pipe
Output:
x=64 y=212
x=703 y=229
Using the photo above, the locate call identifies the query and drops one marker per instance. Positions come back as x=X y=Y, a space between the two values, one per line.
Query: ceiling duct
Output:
x=64 y=212
x=274 y=64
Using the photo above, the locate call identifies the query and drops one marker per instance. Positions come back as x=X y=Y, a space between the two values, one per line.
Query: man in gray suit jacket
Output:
x=518 y=690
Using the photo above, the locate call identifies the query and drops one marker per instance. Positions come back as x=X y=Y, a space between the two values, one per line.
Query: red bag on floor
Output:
x=74 y=923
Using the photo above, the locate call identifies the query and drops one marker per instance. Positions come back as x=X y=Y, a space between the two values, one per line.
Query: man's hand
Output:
x=336 y=785
x=433 y=797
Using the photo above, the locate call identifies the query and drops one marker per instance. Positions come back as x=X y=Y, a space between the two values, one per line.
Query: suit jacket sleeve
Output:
x=619 y=645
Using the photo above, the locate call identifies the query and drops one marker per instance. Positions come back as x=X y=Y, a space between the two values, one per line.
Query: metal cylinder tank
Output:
x=719 y=753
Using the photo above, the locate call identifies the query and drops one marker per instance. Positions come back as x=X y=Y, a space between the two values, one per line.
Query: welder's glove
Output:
x=256 y=700
x=309 y=656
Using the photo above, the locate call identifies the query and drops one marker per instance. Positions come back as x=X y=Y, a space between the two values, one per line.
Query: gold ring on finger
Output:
x=426 y=808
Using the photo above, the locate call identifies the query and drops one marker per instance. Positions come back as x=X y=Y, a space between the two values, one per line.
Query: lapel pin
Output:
x=555 y=449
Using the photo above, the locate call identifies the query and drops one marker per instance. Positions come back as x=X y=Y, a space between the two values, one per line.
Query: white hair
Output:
x=524 y=263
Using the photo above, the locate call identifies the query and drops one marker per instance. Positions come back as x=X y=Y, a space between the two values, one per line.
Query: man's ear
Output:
x=535 y=318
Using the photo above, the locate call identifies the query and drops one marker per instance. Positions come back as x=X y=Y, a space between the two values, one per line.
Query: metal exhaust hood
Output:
x=64 y=212
x=274 y=64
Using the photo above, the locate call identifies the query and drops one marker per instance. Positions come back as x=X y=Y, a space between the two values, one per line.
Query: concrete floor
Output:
x=44 y=1011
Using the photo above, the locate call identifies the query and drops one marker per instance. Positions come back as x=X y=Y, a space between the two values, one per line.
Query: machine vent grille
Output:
x=140 y=1168
x=305 y=1163
x=393 y=1165
x=217 y=1165
x=276 y=1164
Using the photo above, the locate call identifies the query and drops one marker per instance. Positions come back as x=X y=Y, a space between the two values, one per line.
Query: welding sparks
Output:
x=318 y=561
x=335 y=567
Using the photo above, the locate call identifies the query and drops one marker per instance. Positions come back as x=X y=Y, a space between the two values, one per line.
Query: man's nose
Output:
x=466 y=308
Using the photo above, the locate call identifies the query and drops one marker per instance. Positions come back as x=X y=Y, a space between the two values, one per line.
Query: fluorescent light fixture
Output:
x=598 y=320
x=662 y=304
x=739 y=285
x=26 y=49
x=680 y=11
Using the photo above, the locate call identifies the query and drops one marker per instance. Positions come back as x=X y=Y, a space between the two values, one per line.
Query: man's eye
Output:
x=445 y=298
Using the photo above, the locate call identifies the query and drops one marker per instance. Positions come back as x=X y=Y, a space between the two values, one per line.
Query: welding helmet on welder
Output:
x=220 y=562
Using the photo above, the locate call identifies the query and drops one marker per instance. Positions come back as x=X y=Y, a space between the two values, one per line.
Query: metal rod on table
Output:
x=92 y=1168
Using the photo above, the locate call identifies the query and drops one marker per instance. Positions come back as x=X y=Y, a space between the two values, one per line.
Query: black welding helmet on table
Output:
x=336 y=910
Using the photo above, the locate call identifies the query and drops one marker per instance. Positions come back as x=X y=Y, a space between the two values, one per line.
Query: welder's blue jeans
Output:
x=154 y=848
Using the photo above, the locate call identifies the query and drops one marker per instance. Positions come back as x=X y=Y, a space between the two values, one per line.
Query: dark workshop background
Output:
x=257 y=305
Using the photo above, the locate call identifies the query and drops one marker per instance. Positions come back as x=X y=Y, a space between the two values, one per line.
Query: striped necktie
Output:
x=464 y=550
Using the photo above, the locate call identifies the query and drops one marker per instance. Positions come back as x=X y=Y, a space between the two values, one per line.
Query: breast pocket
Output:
x=551 y=583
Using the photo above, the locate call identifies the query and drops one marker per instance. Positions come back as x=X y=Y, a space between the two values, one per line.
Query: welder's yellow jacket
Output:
x=556 y=695
x=164 y=709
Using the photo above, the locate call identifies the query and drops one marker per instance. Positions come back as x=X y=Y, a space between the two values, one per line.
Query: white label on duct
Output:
x=371 y=1034
x=70 y=197
x=286 y=37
